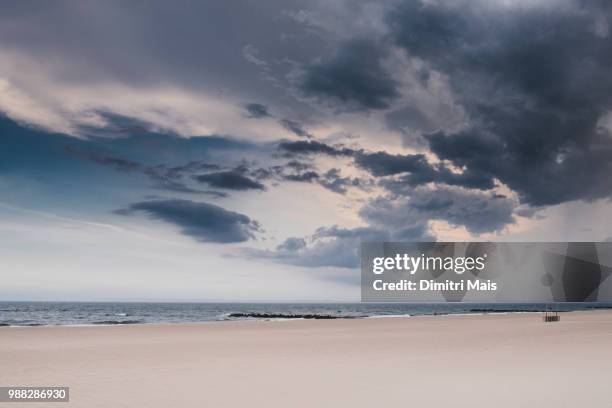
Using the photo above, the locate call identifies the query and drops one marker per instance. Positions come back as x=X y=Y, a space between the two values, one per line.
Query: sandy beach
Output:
x=437 y=361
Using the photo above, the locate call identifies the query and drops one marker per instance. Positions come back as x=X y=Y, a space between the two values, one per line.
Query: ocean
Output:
x=113 y=313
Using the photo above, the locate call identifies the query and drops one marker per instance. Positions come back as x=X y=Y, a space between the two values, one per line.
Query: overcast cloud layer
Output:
x=287 y=132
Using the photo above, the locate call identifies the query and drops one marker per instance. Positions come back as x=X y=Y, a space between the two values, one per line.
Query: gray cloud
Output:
x=415 y=169
x=307 y=176
x=202 y=221
x=478 y=212
x=404 y=184
x=294 y=127
x=385 y=164
x=230 y=180
x=331 y=180
x=354 y=77
x=306 y=147
x=334 y=181
x=257 y=110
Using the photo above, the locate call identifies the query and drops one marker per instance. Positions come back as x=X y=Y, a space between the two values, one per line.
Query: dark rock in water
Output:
x=119 y=322
x=502 y=310
x=286 y=316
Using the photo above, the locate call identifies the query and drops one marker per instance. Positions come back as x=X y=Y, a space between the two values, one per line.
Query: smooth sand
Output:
x=438 y=361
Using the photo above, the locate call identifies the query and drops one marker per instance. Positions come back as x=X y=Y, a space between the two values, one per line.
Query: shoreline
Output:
x=263 y=317
x=279 y=320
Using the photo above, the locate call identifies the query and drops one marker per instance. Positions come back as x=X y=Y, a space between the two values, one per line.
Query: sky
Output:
x=241 y=151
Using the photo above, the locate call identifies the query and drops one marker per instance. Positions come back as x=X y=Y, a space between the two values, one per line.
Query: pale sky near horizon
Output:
x=241 y=151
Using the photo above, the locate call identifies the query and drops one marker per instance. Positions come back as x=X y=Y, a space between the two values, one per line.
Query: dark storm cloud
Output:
x=403 y=184
x=281 y=171
x=385 y=164
x=307 y=176
x=202 y=221
x=298 y=165
x=416 y=170
x=229 y=180
x=192 y=166
x=354 y=77
x=257 y=110
x=334 y=181
x=331 y=180
x=535 y=84
x=479 y=212
x=294 y=127
x=297 y=171
x=306 y=147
